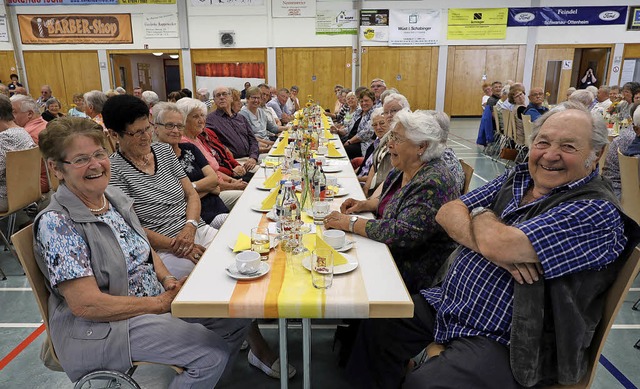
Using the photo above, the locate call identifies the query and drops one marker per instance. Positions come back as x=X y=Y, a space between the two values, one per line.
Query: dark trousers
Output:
x=383 y=348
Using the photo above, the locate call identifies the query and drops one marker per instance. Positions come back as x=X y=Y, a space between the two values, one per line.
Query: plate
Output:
x=233 y=272
x=261 y=187
x=341 y=192
x=258 y=208
x=331 y=169
x=342 y=156
x=347 y=246
x=352 y=264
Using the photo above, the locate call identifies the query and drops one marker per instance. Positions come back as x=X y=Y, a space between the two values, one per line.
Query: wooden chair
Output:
x=630 y=185
x=23 y=241
x=23 y=188
x=468 y=173
x=603 y=158
x=54 y=183
x=528 y=128
x=613 y=302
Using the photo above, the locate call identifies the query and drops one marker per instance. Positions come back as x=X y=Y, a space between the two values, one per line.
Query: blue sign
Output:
x=59 y=2
x=567 y=16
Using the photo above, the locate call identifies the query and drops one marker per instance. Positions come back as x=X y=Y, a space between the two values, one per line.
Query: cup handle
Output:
x=242 y=267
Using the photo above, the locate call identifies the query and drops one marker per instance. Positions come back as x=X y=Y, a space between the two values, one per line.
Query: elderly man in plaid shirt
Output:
x=553 y=220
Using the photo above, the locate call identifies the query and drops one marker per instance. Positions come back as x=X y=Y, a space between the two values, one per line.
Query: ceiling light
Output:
x=158 y=54
x=174 y=56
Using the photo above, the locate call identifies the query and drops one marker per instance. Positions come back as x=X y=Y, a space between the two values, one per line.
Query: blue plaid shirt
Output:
x=476 y=297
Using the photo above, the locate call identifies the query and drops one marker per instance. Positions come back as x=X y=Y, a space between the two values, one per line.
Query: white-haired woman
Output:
x=411 y=195
x=195 y=114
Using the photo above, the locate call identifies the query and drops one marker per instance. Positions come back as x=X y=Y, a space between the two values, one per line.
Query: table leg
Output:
x=306 y=352
x=284 y=360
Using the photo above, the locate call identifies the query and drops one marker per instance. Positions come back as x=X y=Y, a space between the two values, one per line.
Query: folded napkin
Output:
x=327 y=133
x=325 y=123
x=270 y=201
x=332 y=151
x=279 y=150
x=338 y=259
x=273 y=179
x=285 y=137
x=242 y=243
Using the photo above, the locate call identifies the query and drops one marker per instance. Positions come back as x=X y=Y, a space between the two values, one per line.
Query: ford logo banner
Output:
x=566 y=16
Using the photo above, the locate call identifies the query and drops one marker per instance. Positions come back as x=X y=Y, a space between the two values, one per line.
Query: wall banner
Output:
x=293 y=8
x=332 y=21
x=567 y=16
x=160 y=25
x=4 y=33
x=75 y=29
x=374 y=25
x=633 y=20
x=485 y=23
x=414 y=27
x=230 y=3
x=59 y=2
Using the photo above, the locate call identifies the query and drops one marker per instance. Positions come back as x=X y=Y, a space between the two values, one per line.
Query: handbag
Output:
x=508 y=153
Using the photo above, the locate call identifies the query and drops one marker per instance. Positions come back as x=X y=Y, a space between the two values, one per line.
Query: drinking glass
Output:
x=322 y=268
x=321 y=209
x=332 y=187
x=260 y=242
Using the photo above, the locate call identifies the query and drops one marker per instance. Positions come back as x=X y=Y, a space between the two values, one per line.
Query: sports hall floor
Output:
x=20 y=366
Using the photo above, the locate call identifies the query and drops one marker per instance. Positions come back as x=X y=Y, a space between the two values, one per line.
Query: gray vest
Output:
x=82 y=345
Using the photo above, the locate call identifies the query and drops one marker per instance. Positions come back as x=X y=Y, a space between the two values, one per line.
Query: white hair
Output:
x=422 y=127
x=26 y=103
x=150 y=97
x=583 y=97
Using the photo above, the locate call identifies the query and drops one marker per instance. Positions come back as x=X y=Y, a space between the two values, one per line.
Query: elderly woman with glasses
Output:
x=412 y=193
x=168 y=128
x=165 y=201
x=110 y=294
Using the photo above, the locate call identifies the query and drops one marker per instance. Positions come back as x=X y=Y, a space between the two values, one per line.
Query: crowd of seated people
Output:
x=179 y=166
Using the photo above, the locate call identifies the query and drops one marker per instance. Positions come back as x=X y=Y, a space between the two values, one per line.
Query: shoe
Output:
x=273 y=371
x=244 y=346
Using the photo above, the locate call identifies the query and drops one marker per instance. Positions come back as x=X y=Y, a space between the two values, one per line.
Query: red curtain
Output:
x=231 y=69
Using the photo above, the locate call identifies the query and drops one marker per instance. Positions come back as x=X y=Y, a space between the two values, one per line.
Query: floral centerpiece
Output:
x=617 y=117
x=308 y=118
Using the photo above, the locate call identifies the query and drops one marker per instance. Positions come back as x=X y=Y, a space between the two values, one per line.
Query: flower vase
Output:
x=306 y=194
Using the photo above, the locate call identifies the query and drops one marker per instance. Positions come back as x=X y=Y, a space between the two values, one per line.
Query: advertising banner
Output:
x=414 y=27
x=87 y=2
x=633 y=20
x=75 y=28
x=567 y=16
x=332 y=21
x=293 y=8
x=160 y=25
x=478 y=23
x=374 y=25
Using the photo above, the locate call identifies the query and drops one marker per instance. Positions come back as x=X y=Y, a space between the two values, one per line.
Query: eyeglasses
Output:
x=375 y=86
x=171 y=126
x=221 y=94
x=255 y=98
x=391 y=112
x=138 y=134
x=393 y=136
x=83 y=160
x=536 y=94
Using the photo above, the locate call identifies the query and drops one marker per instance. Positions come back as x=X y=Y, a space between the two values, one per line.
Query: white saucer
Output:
x=232 y=272
x=352 y=264
x=260 y=187
x=347 y=246
x=258 y=208
x=331 y=169
x=342 y=156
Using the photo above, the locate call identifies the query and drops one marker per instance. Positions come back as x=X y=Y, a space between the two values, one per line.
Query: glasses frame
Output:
x=174 y=126
x=138 y=134
x=77 y=164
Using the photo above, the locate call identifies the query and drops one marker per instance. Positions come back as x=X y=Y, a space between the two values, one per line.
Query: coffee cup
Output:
x=248 y=262
x=334 y=238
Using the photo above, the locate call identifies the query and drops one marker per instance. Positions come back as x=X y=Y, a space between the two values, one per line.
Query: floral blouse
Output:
x=365 y=131
x=408 y=225
x=68 y=257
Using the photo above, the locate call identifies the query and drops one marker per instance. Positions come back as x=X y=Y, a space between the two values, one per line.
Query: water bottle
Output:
x=290 y=219
x=319 y=183
x=278 y=207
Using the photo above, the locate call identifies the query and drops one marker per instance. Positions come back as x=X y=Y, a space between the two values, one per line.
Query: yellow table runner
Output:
x=287 y=291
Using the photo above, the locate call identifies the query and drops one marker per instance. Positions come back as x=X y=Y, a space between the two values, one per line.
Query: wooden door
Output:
x=547 y=58
x=411 y=70
x=468 y=67
x=7 y=66
x=595 y=58
x=315 y=71
x=122 y=75
x=67 y=72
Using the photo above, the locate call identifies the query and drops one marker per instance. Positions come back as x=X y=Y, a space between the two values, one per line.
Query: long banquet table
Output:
x=373 y=290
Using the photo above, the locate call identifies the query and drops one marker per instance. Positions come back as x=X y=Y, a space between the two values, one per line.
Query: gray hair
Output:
x=398 y=98
x=26 y=103
x=420 y=127
x=121 y=90
x=150 y=97
x=505 y=90
x=599 y=132
x=592 y=89
x=161 y=109
x=636 y=117
x=571 y=90
x=583 y=97
x=96 y=99
x=386 y=93
x=443 y=121
x=188 y=105
x=52 y=100
x=605 y=88
x=376 y=112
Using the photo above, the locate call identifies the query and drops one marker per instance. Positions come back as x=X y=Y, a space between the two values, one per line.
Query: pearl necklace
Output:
x=104 y=205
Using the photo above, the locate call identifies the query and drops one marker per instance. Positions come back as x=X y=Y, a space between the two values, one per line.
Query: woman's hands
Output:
x=196 y=253
x=165 y=299
x=350 y=206
x=337 y=220
x=183 y=243
x=239 y=171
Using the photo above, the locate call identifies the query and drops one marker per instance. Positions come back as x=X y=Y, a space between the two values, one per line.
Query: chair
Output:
x=23 y=241
x=613 y=302
x=630 y=185
x=468 y=173
x=528 y=128
x=54 y=183
x=23 y=188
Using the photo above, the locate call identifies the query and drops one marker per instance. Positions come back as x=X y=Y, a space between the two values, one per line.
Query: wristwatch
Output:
x=477 y=211
x=352 y=222
x=192 y=222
